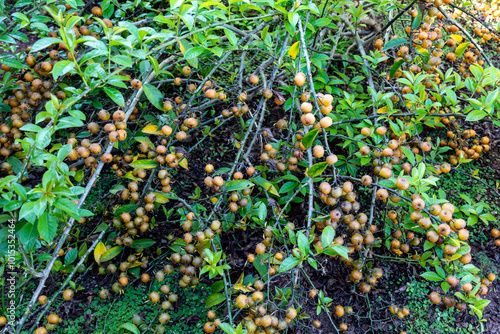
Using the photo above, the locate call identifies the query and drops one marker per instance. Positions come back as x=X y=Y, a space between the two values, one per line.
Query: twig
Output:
x=309 y=151
x=365 y=61
x=401 y=13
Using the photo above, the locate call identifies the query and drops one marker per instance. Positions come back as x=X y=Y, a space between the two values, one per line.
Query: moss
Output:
x=106 y=316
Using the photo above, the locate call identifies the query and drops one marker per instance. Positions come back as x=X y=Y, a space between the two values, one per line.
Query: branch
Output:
x=401 y=13
x=309 y=152
x=365 y=61
x=466 y=33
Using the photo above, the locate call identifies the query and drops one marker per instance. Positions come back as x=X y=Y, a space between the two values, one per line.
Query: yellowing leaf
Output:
x=143 y=164
x=111 y=254
x=382 y=110
x=160 y=198
x=294 y=50
x=457 y=38
x=421 y=50
x=207 y=243
x=239 y=285
x=183 y=49
x=99 y=250
x=183 y=163
x=237 y=144
x=20 y=155
x=268 y=186
x=130 y=176
x=459 y=52
x=140 y=156
x=243 y=288
x=151 y=129
x=145 y=140
x=135 y=264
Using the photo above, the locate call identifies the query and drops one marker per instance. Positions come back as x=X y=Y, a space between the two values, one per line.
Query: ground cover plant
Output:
x=249 y=166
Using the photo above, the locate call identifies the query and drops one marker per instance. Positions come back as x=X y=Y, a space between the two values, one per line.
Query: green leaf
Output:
x=316 y=169
x=260 y=264
x=428 y=245
x=432 y=276
x=67 y=206
x=194 y=52
x=440 y=271
x=131 y=28
x=19 y=189
x=83 y=250
x=175 y=3
x=238 y=185
x=262 y=211
x=61 y=68
x=31 y=128
x=217 y=286
x=231 y=36
x=111 y=253
x=142 y=243
x=327 y=236
x=63 y=152
x=122 y=60
x=130 y=327
x=337 y=250
x=153 y=95
x=288 y=186
x=227 y=328
x=115 y=95
x=395 y=67
x=481 y=303
x=308 y=139
x=47 y=227
x=478 y=312
x=143 y=164
x=288 y=263
x=12 y=205
x=215 y=299
x=268 y=186
x=293 y=18
x=43 y=43
x=43 y=138
x=188 y=20
x=417 y=20
x=475 y=115
x=303 y=244
x=70 y=256
x=394 y=42
x=461 y=49
x=312 y=262
x=409 y=155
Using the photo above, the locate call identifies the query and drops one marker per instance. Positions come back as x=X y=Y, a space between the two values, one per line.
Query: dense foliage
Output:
x=256 y=147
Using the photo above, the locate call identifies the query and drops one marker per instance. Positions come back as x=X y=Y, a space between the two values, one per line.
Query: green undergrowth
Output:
x=106 y=316
x=426 y=318
x=461 y=184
